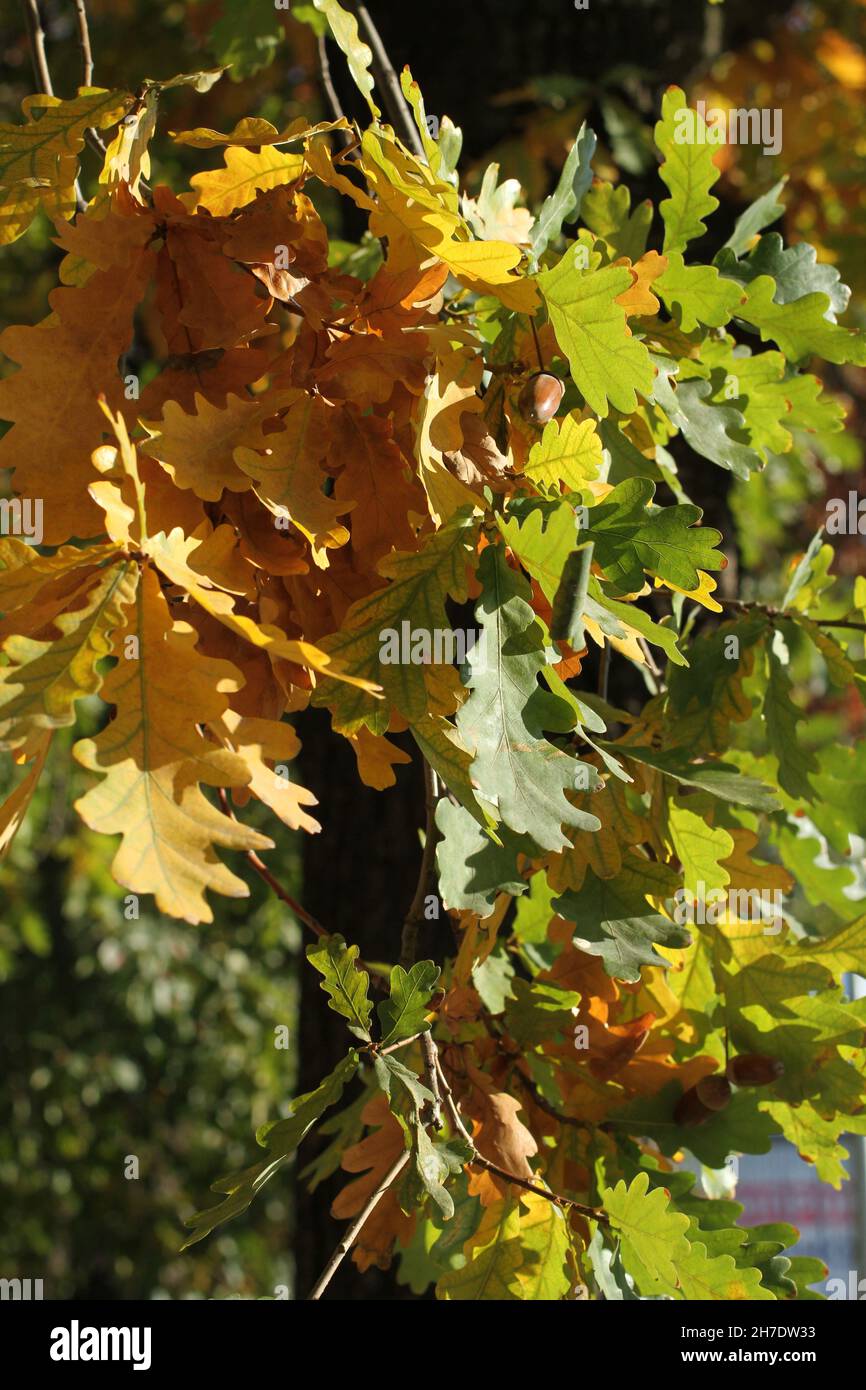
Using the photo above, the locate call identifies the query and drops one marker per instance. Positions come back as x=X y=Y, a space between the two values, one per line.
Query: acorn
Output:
x=714 y=1092
x=754 y=1069
x=699 y=1102
x=541 y=398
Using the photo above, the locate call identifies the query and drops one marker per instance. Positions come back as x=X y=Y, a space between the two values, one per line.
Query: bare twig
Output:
x=431 y=1076
x=772 y=612
x=36 y=35
x=388 y=84
x=403 y=1042
x=415 y=916
x=604 y=669
x=37 y=47
x=345 y=1245
x=273 y=883
x=648 y=658
x=345 y=136
x=285 y=896
x=479 y=1161
x=84 y=44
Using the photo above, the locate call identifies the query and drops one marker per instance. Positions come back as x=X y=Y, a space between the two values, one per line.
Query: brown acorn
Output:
x=699 y=1102
x=541 y=397
x=714 y=1091
x=754 y=1069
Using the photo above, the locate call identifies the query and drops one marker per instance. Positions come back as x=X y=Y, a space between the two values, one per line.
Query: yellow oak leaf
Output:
x=44 y=679
x=67 y=362
x=245 y=172
x=14 y=808
x=377 y=759
x=198 y=449
x=39 y=159
x=261 y=742
x=153 y=757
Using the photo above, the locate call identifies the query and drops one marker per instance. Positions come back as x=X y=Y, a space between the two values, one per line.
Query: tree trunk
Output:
x=359 y=877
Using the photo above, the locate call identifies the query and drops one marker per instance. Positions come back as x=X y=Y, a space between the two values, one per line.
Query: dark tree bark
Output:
x=359 y=877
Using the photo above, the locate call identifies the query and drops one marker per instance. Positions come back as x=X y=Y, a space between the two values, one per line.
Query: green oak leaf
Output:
x=689 y=171
x=387 y=1070
x=781 y=718
x=473 y=869
x=563 y=204
x=539 y=1012
x=514 y=766
x=420 y=582
x=629 y=539
x=795 y=269
x=652 y=1235
x=613 y=919
x=493 y=1255
x=800 y=327
x=345 y=985
x=713 y=431
x=435 y=1162
x=606 y=211
x=697 y=294
x=569 y=451
x=723 y=780
x=281 y=1139
x=402 y=1014
x=763 y=212
x=608 y=365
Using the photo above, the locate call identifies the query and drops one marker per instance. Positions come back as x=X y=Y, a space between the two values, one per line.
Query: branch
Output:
x=388 y=84
x=604 y=669
x=431 y=1076
x=84 y=44
x=330 y=91
x=773 y=612
x=415 y=916
x=273 y=883
x=285 y=896
x=36 y=36
x=403 y=1042
x=593 y=1213
x=357 y=1225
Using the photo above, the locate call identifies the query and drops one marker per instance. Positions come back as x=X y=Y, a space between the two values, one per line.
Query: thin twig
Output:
x=345 y=1245
x=84 y=44
x=345 y=136
x=415 y=916
x=36 y=35
x=772 y=612
x=431 y=1077
x=273 y=883
x=404 y=1042
x=604 y=669
x=477 y=1159
x=37 y=47
x=388 y=84
x=285 y=896
x=648 y=658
